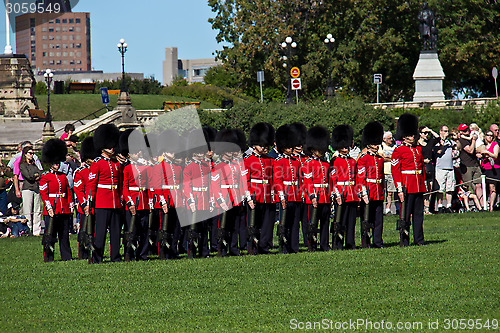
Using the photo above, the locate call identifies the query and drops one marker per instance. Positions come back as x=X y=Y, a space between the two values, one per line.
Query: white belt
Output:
x=200 y=189
x=290 y=183
x=374 y=181
x=321 y=185
x=135 y=188
x=412 y=172
x=229 y=186
x=109 y=187
x=259 y=181
x=346 y=183
x=58 y=195
x=170 y=187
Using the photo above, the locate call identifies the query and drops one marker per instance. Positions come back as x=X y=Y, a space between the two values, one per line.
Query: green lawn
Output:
x=76 y=106
x=456 y=275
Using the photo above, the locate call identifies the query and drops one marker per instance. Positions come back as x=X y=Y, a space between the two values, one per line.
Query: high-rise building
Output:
x=192 y=70
x=60 y=42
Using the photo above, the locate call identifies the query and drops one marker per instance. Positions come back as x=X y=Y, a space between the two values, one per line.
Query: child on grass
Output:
x=17 y=223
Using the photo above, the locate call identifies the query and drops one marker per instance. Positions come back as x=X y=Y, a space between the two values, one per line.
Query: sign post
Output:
x=260 y=79
x=377 y=79
x=105 y=96
x=494 y=72
x=296 y=85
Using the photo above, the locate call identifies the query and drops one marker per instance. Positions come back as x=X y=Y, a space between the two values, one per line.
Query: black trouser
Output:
x=240 y=227
x=140 y=233
x=415 y=209
x=375 y=217
x=201 y=228
x=347 y=225
x=323 y=220
x=61 y=229
x=292 y=225
x=231 y=233
x=107 y=218
x=173 y=229
x=264 y=224
x=304 y=221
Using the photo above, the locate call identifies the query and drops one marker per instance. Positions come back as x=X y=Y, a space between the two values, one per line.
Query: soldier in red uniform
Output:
x=316 y=178
x=370 y=180
x=287 y=185
x=298 y=153
x=240 y=236
x=196 y=185
x=409 y=176
x=343 y=187
x=80 y=179
x=258 y=171
x=57 y=198
x=105 y=189
x=135 y=185
x=167 y=182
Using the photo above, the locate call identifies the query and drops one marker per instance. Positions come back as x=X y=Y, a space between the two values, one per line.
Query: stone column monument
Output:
x=128 y=112
x=428 y=74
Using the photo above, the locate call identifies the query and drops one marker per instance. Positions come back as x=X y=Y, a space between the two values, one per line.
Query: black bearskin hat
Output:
x=123 y=147
x=151 y=140
x=196 y=142
x=242 y=140
x=169 y=142
x=227 y=136
x=210 y=134
x=106 y=136
x=261 y=134
x=286 y=137
x=342 y=137
x=407 y=126
x=301 y=131
x=373 y=134
x=54 y=151
x=87 y=150
x=317 y=139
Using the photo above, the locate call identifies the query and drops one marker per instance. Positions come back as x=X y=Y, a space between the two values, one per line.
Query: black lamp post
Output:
x=330 y=90
x=288 y=45
x=122 y=48
x=48 y=128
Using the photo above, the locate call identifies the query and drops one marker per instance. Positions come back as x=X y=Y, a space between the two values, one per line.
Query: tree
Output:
x=372 y=36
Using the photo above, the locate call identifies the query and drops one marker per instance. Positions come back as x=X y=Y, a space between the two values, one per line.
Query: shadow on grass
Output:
x=392 y=244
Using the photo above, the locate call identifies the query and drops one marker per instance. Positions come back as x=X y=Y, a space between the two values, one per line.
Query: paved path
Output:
x=14 y=132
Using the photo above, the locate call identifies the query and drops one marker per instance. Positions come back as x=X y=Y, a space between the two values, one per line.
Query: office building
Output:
x=192 y=70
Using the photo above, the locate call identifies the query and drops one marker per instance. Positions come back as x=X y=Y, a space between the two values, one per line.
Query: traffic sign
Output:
x=260 y=76
x=494 y=72
x=296 y=84
x=104 y=95
x=377 y=78
x=295 y=72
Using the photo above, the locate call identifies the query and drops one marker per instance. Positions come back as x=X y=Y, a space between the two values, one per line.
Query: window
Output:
x=32 y=37
x=51 y=21
x=77 y=20
x=71 y=20
x=44 y=29
x=71 y=29
x=51 y=29
x=64 y=37
x=44 y=37
x=71 y=37
x=51 y=46
x=65 y=54
x=52 y=62
x=45 y=63
x=51 y=37
x=71 y=46
x=71 y=62
x=78 y=46
x=71 y=54
x=64 y=29
x=58 y=21
x=51 y=54
x=65 y=62
x=58 y=37
x=58 y=62
x=65 y=21
x=65 y=46
x=78 y=54
x=44 y=46
x=44 y=54
x=78 y=37
x=78 y=62
x=78 y=29
x=58 y=46
x=58 y=29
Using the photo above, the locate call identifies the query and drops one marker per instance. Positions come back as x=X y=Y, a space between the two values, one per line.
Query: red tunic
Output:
x=135 y=180
x=228 y=183
x=343 y=177
x=286 y=178
x=105 y=183
x=316 y=174
x=302 y=160
x=167 y=180
x=80 y=180
x=54 y=187
x=258 y=170
x=408 y=168
x=196 y=184
x=371 y=175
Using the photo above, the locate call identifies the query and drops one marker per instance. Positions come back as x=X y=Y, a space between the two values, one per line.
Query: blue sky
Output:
x=148 y=27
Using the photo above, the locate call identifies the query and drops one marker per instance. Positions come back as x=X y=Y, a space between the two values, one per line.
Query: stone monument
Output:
x=128 y=112
x=17 y=83
x=428 y=74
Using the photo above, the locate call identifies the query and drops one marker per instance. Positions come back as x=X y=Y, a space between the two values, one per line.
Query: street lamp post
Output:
x=288 y=46
x=122 y=48
x=330 y=91
x=48 y=128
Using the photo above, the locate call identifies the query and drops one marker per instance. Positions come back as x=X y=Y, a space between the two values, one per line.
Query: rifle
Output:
x=193 y=235
x=281 y=227
x=402 y=225
x=252 y=232
x=366 y=226
x=88 y=236
x=222 y=233
x=338 y=230
x=312 y=228
x=165 y=239
x=128 y=236
x=152 y=232
x=48 y=239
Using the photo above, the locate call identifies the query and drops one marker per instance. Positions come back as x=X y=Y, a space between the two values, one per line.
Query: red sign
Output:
x=296 y=84
x=295 y=72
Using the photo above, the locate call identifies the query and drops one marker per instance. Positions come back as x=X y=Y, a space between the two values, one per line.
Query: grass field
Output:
x=76 y=106
x=456 y=275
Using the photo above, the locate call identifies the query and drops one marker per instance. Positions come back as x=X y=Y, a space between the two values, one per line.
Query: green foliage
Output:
x=211 y=94
x=455 y=275
x=148 y=86
x=371 y=37
x=220 y=76
x=41 y=88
